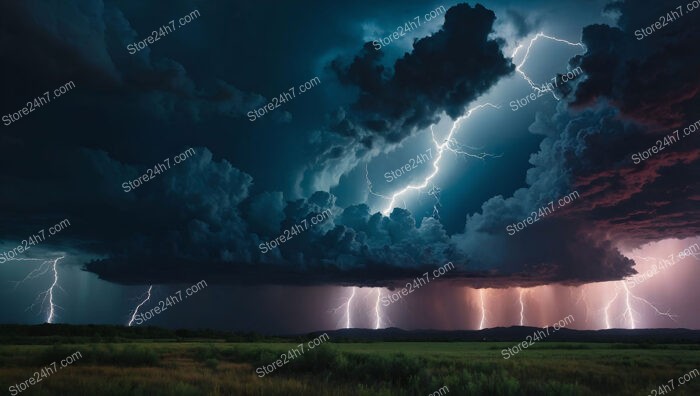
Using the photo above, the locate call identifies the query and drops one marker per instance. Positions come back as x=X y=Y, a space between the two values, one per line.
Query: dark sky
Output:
x=326 y=152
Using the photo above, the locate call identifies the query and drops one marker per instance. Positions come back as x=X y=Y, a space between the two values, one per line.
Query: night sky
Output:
x=435 y=105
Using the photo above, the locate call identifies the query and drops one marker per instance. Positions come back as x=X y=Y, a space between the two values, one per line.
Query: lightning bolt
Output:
x=435 y=193
x=441 y=148
x=136 y=310
x=50 y=290
x=629 y=312
x=607 y=309
x=522 y=308
x=450 y=143
x=483 y=309
x=347 y=308
x=378 y=319
x=519 y=67
x=46 y=296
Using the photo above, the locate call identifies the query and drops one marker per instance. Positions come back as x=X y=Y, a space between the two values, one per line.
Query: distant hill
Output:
x=518 y=333
x=51 y=333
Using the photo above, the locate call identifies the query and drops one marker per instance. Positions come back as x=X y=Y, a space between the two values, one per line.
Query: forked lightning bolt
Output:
x=136 y=310
x=435 y=193
x=441 y=148
x=450 y=143
x=348 y=310
x=46 y=296
x=607 y=309
x=519 y=67
x=629 y=313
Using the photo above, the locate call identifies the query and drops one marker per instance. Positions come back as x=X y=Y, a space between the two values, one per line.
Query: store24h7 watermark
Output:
x=291 y=355
x=541 y=213
x=37 y=102
x=26 y=244
x=157 y=170
x=685 y=378
x=284 y=97
x=161 y=32
x=45 y=372
x=293 y=231
x=168 y=302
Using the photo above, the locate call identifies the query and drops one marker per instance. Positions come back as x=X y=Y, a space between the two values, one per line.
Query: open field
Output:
x=383 y=368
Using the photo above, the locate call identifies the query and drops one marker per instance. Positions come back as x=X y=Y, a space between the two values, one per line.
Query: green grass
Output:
x=397 y=368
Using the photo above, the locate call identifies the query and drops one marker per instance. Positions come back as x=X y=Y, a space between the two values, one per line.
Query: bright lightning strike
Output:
x=483 y=309
x=519 y=67
x=607 y=309
x=629 y=313
x=378 y=319
x=645 y=301
x=50 y=291
x=522 y=308
x=347 y=308
x=45 y=298
x=441 y=148
x=628 y=310
x=450 y=144
x=136 y=310
x=435 y=193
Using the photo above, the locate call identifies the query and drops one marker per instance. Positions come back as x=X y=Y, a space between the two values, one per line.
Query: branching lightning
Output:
x=441 y=148
x=630 y=314
x=46 y=297
x=346 y=305
x=607 y=309
x=145 y=300
x=347 y=308
x=435 y=193
x=451 y=144
x=519 y=67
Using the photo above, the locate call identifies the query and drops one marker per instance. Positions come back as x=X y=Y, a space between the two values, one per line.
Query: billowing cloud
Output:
x=88 y=43
x=653 y=80
x=443 y=73
x=205 y=218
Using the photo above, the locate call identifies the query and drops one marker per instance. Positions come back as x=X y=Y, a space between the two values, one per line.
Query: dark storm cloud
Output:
x=652 y=87
x=654 y=83
x=352 y=247
x=562 y=247
x=87 y=43
x=653 y=80
x=443 y=73
x=203 y=219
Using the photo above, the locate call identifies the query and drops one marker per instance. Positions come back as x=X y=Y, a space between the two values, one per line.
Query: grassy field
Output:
x=392 y=368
